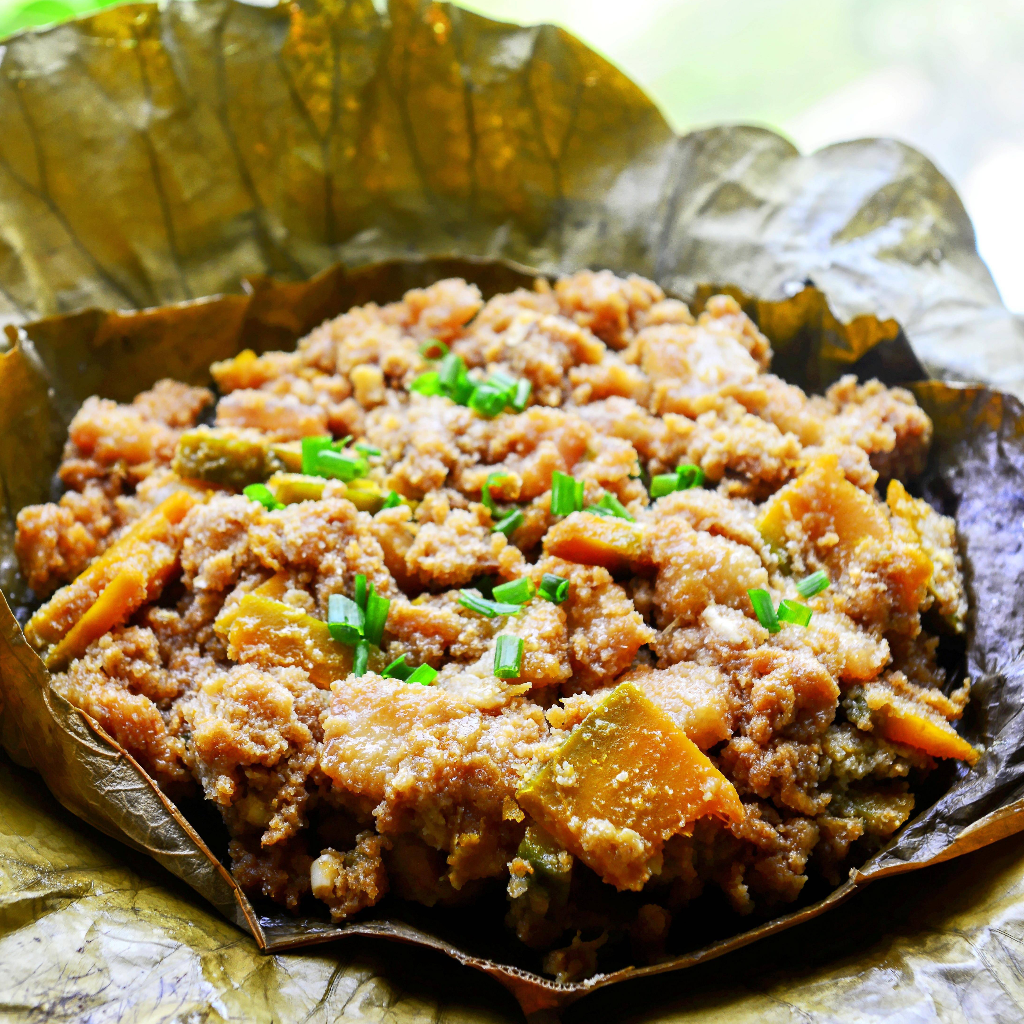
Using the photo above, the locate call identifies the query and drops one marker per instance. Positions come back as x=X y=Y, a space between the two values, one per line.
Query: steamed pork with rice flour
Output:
x=564 y=591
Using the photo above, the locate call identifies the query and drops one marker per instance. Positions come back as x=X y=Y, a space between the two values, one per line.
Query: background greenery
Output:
x=944 y=75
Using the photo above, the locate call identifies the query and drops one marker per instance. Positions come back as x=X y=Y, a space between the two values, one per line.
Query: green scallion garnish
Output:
x=361 y=658
x=371 y=451
x=689 y=476
x=482 y=606
x=510 y=523
x=503 y=382
x=428 y=383
x=508 y=657
x=392 y=500
x=663 y=483
x=360 y=591
x=764 y=609
x=793 y=611
x=341 y=465
x=485 y=491
x=433 y=348
x=398 y=669
x=377 y=609
x=262 y=494
x=488 y=401
x=311 y=448
x=813 y=584
x=612 y=504
x=521 y=396
x=554 y=588
x=345 y=619
x=517 y=592
x=422 y=674
x=566 y=494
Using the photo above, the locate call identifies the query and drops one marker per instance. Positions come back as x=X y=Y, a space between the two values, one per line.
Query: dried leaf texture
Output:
x=150 y=156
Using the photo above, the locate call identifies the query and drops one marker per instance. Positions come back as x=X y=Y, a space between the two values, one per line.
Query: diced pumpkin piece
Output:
x=824 y=501
x=625 y=780
x=276 y=587
x=268 y=633
x=289 y=454
x=365 y=495
x=614 y=544
x=906 y=721
x=935 y=536
x=149 y=549
x=223 y=455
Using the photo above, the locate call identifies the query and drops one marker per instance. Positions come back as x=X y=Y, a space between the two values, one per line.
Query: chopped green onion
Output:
x=488 y=401
x=485 y=491
x=599 y=510
x=371 y=451
x=689 y=476
x=554 y=588
x=764 y=609
x=510 y=523
x=377 y=609
x=793 y=611
x=452 y=371
x=345 y=619
x=482 y=606
x=615 y=507
x=517 y=592
x=566 y=494
x=392 y=500
x=503 y=382
x=435 y=346
x=361 y=658
x=423 y=674
x=663 y=483
x=262 y=494
x=508 y=657
x=360 y=591
x=809 y=585
x=398 y=669
x=521 y=396
x=341 y=465
x=338 y=445
x=428 y=383
x=311 y=448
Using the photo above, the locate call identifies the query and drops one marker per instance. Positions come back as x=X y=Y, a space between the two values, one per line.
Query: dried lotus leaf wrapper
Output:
x=117 y=354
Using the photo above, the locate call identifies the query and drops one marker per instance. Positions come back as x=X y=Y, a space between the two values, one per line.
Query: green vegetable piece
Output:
x=360 y=590
x=341 y=465
x=551 y=863
x=521 y=396
x=689 y=476
x=663 y=483
x=423 y=674
x=377 y=609
x=428 y=383
x=813 y=584
x=371 y=451
x=345 y=619
x=508 y=657
x=482 y=606
x=793 y=611
x=612 y=505
x=223 y=455
x=398 y=669
x=510 y=523
x=488 y=401
x=433 y=348
x=485 y=491
x=517 y=592
x=361 y=658
x=311 y=448
x=554 y=588
x=764 y=609
x=566 y=494
x=392 y=500
x=503 y=382
x=291 y=488
x=262 y=494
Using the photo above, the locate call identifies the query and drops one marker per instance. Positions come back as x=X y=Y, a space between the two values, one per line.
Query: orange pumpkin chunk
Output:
x=905 y=721
x=626 y=780
x=615 y=544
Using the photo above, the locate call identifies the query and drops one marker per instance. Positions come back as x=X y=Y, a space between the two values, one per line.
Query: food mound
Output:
x=561 y=591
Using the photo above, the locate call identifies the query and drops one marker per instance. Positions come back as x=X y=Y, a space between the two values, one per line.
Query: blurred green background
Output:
x=946 y=76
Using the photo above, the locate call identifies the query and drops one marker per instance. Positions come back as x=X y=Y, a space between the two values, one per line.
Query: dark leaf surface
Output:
x=150 y=156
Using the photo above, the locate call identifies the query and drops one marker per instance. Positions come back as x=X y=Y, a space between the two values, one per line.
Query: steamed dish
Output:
x=563 y=591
